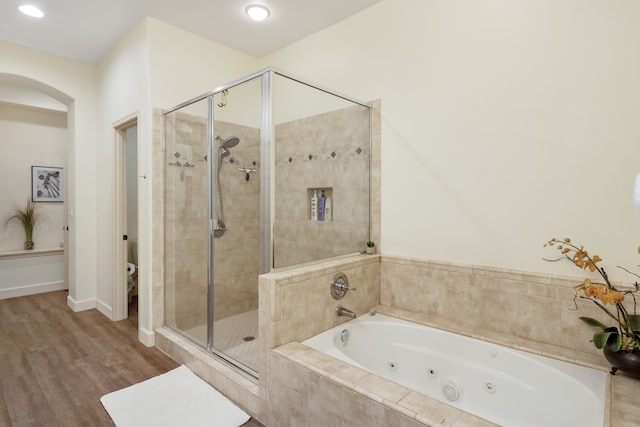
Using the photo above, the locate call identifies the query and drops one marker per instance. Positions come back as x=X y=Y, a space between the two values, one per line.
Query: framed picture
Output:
x=47 y=184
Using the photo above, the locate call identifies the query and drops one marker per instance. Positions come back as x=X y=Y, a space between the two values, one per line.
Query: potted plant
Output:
x=28 y=217
x=621 y=342
x=371 y=247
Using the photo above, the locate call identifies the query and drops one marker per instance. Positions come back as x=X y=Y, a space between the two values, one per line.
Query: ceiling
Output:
x=87 y=29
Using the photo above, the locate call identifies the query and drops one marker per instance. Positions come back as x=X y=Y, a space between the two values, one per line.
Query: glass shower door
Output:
x=187 y=220
x=236 y=222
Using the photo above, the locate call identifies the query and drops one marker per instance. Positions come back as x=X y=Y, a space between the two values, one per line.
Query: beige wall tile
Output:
x=325 y=393
x=362 y=411
x=292 y=375
x=288 y=407
x=382 y=388
x=318 y=415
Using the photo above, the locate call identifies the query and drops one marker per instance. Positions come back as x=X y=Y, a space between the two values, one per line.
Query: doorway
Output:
x=126 y=265
x=131 y=161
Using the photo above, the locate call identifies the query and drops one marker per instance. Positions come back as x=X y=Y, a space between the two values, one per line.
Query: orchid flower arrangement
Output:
x=625 y=335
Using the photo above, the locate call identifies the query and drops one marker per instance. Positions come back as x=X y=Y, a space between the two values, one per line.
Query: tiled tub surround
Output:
x=297 y=304
x=314 y=387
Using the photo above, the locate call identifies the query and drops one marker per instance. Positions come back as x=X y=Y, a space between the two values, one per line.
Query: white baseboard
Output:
x=146 y=337
x=105 y=309
x=38 y=288
x=80 y=305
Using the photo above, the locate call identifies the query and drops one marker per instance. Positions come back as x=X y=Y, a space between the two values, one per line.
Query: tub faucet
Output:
x=342 y=311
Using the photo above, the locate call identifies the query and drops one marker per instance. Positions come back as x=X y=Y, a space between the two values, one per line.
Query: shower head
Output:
x=224 y=152
x=230 y=142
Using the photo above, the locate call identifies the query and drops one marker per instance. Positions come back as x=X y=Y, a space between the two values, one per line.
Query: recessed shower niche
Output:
x=240 y=166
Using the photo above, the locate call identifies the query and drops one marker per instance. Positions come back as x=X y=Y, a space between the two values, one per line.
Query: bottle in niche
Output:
x=328 y=208
x=314 y=206
x=321 y=201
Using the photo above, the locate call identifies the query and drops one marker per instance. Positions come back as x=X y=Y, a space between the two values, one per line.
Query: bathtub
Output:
x=508 y=387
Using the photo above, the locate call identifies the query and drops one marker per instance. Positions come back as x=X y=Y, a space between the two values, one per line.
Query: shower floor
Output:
x=230 y=337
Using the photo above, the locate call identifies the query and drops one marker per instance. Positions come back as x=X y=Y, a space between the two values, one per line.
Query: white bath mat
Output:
x=176 y=398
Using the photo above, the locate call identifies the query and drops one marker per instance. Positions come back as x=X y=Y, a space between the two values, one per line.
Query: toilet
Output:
x=132 y=271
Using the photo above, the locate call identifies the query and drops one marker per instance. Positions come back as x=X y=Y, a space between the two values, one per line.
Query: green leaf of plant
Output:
x=593 y=322
x=614 y=342
x=611 y=339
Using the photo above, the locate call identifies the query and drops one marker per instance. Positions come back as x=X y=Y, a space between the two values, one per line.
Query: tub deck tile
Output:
x=323 y=364
x=384 y=389
x=400 y=409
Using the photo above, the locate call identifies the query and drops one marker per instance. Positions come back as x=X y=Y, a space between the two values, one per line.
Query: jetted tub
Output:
x=508 y=387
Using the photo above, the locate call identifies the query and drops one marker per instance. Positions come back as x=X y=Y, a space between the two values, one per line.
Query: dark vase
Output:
x=627 y=362
x=28 y=245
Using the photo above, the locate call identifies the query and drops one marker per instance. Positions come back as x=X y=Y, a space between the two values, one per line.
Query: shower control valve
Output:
x=340 y=286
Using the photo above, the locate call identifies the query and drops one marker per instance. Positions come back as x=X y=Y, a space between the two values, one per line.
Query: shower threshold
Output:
x=236 y=336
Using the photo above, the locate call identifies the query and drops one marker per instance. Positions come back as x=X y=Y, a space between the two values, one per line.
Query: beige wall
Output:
x=504 y=123
x=183 y=65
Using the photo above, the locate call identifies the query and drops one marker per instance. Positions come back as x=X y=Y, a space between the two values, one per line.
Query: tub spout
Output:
x=341 y=311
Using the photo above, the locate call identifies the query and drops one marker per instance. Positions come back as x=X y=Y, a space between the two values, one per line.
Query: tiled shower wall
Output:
x=329 y=150
x=236 y=253
x=186 y=223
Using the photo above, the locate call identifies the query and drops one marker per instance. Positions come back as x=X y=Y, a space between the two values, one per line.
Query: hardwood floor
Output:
x=56 y=364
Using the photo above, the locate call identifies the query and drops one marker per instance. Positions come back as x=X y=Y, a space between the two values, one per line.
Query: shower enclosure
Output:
x=264 y=173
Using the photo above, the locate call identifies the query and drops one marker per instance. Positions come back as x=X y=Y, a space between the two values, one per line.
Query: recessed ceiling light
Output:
x=31 y=11
x=257 y=12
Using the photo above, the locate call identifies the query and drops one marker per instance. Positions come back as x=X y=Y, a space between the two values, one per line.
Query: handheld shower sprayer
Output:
x=223 y=151
x=230 y=142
